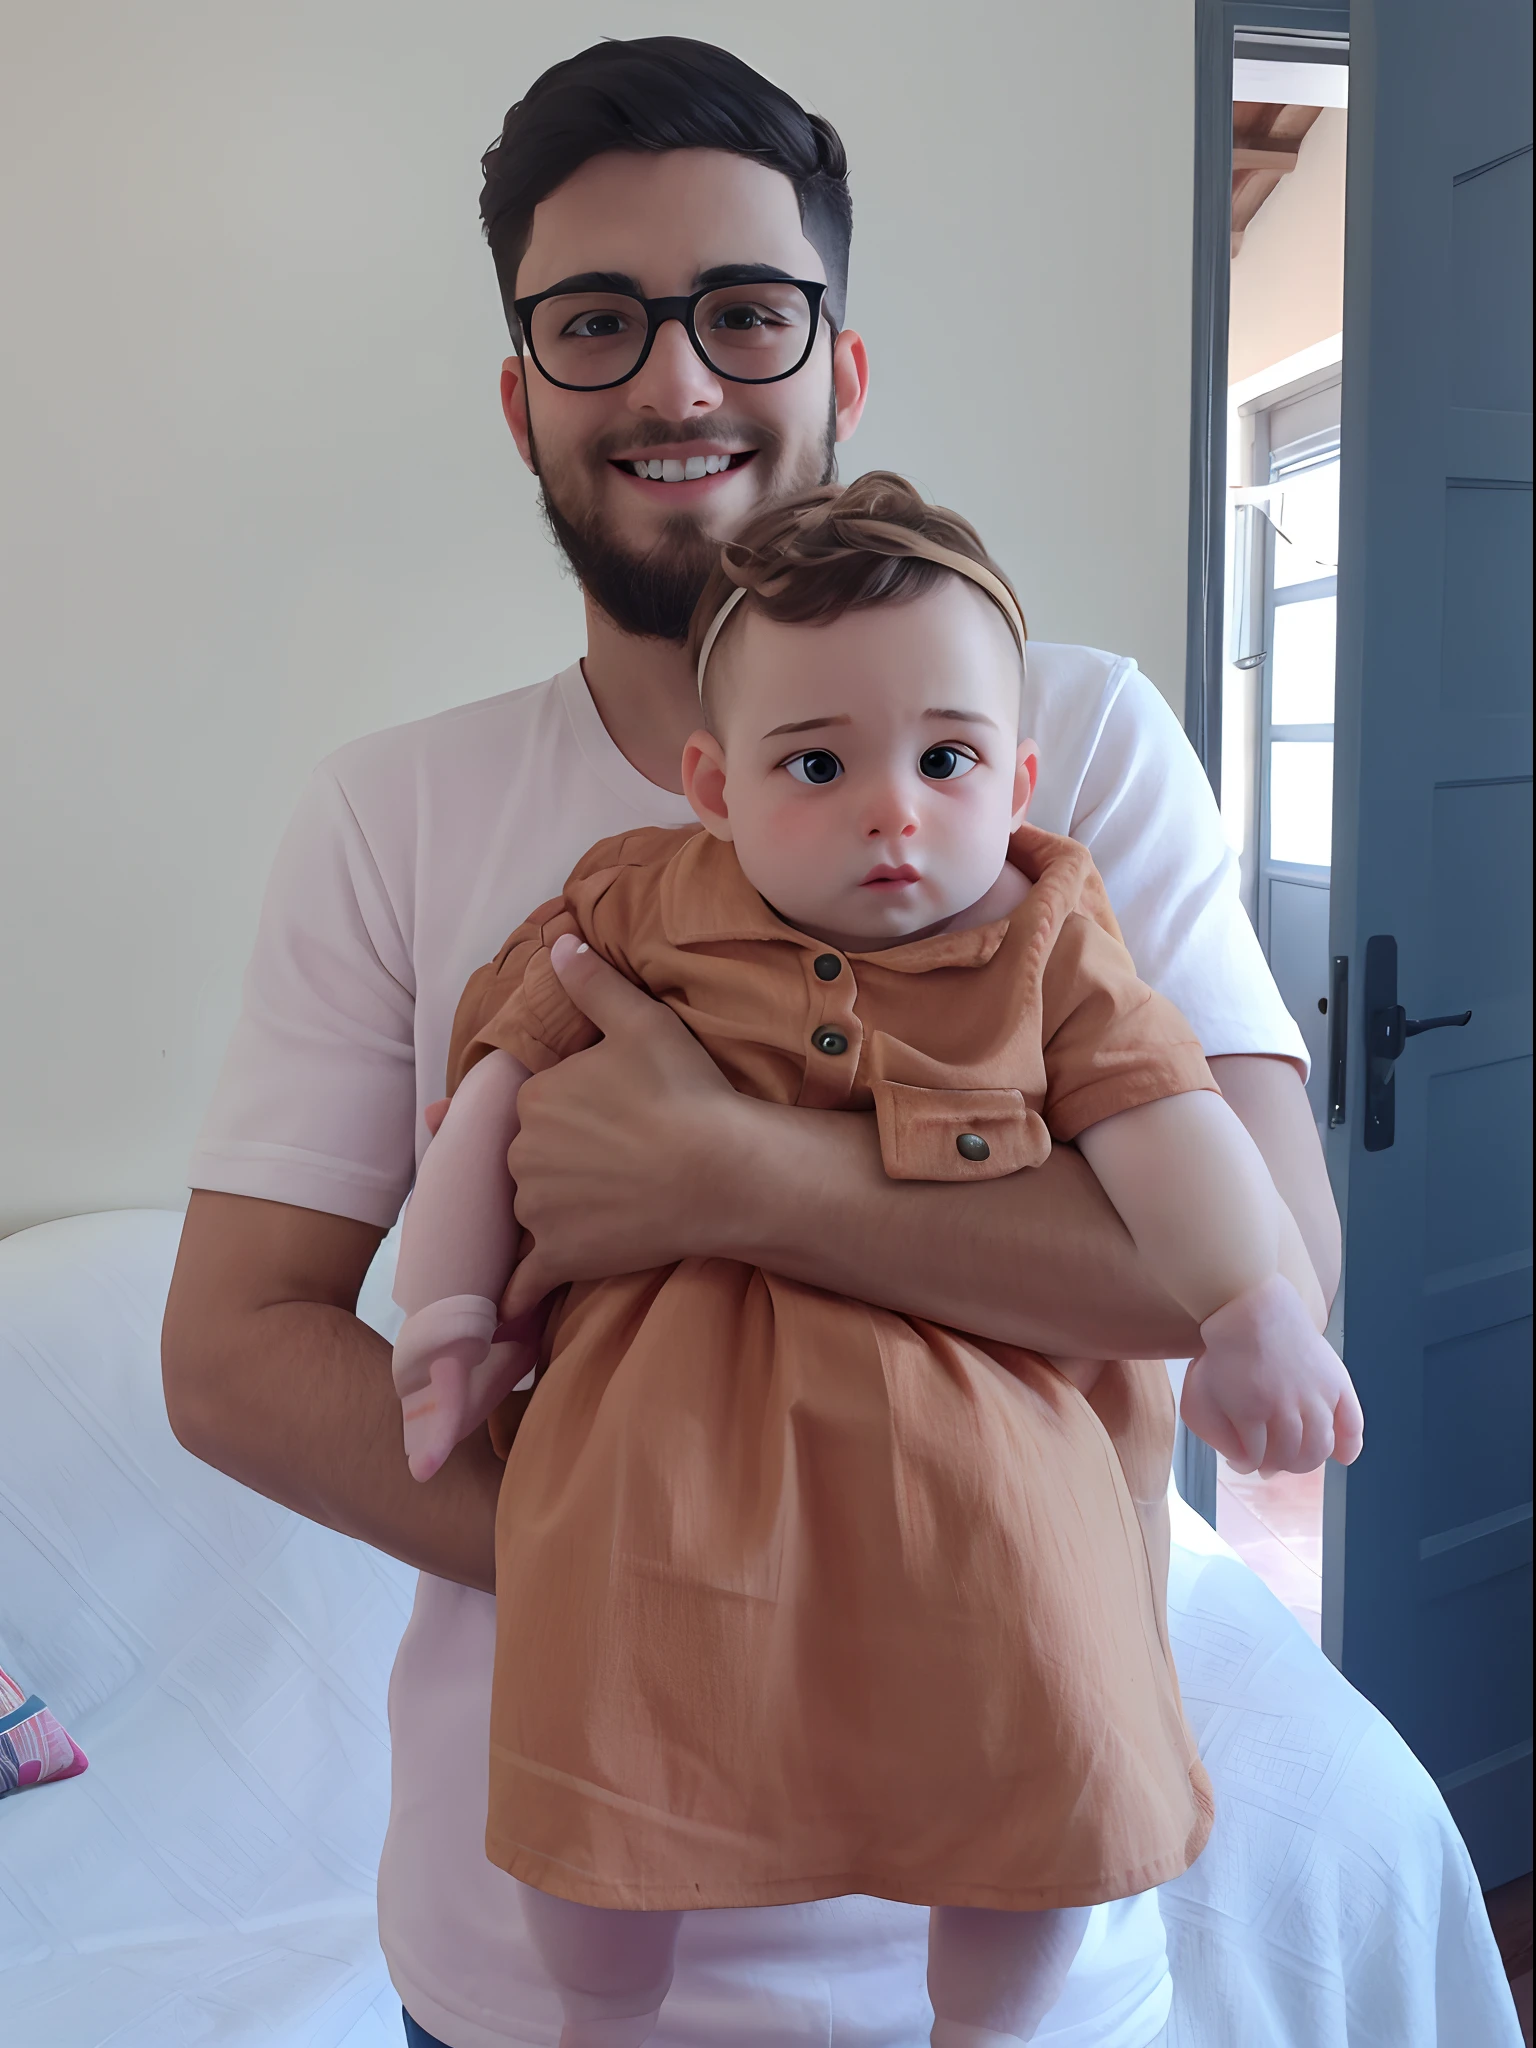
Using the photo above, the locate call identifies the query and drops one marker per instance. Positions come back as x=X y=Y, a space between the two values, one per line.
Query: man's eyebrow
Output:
x=597 y=281
x=706 y=280
x=808 y=725
x=962 y=717
x=743 y=273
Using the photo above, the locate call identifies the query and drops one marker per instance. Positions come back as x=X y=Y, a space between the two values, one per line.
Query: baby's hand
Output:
x=1268 y=1392
x=446 y=1377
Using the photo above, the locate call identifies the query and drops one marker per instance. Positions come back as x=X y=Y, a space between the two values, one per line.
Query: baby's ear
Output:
x=704 y=783
x=1026 y=770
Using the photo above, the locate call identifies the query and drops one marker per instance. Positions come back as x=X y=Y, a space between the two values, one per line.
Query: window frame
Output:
x=1292 y=457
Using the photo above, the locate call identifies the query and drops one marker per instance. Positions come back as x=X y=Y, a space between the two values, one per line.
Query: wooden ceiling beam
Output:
x=1266 y=145
x=1278 y=160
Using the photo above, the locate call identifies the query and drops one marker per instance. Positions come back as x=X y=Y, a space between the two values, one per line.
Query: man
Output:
x=658 y=201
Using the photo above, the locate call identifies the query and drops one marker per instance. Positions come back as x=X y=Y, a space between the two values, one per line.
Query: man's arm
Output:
x=1040 y=1259
x=639 y=1152
x=1270 y=1099
x=648 y=1154
x=270 y=1376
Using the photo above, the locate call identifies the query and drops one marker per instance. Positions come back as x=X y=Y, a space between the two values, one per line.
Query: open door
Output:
x=1427 y=1557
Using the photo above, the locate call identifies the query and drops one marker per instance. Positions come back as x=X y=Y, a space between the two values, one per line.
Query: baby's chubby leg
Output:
x=993 y=1977
x=457 y=1248
x=612 y=1969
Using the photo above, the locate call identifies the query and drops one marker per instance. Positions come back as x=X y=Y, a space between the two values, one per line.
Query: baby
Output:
x=798 y=1597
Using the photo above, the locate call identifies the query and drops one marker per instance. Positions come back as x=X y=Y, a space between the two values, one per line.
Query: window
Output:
x=1284 y=613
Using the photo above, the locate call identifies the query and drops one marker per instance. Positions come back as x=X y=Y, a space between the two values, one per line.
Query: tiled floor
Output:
x=1276 y=1526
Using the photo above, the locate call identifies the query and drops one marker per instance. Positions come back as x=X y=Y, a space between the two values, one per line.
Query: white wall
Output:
x=1288 y=277
x=259 y=499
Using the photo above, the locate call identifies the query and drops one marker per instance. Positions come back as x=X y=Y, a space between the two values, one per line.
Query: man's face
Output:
x=643 y=546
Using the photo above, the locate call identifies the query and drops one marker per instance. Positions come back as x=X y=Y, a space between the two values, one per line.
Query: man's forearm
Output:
x=332 y=1449
x=294 y=1396
x=1037 y=1259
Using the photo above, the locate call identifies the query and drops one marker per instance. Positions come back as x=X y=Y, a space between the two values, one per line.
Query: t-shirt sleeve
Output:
x=1110 y=1042
x=316 y=1102
x=1147 y=814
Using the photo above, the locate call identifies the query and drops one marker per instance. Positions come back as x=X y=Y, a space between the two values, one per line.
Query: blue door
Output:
x=1427 y=1594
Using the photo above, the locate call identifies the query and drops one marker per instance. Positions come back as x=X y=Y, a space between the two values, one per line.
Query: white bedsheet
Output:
x=223 y=1663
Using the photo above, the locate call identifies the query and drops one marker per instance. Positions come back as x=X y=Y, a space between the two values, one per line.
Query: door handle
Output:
x=1388 y=1028
x=1391 y=1028
x=1412 y=1026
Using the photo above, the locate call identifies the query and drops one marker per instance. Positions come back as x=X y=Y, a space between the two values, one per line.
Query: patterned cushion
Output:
x=33 y=1747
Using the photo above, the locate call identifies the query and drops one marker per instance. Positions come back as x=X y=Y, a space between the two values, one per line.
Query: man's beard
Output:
x=653 y=595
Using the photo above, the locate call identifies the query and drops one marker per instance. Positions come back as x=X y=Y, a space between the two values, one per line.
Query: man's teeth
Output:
x=672 y=471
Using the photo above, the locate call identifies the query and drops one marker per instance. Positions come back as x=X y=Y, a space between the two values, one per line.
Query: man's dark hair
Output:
x=658 y=93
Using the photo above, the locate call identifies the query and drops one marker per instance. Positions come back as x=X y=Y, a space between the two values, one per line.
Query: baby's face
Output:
x=869 y=771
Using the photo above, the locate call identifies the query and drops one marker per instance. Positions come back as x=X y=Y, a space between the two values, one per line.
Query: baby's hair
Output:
x=808 y=559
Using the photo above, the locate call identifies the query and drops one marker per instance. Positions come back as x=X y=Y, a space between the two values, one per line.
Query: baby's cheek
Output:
x=975 y=845
x=790 y=855
x=788 y=828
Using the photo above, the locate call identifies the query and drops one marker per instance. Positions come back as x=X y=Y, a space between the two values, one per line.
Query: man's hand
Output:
x=638 y=1153
x=619 y=1158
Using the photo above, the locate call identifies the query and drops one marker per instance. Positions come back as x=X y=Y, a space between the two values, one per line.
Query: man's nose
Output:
x=673 y=382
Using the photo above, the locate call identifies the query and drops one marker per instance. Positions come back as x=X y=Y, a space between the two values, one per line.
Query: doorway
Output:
x=1428 y=865
x=1262 y=661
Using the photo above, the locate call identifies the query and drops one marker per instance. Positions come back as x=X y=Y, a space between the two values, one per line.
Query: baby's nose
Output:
x=893 y=820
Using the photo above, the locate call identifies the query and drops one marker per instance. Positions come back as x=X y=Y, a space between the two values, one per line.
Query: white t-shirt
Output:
x=411 y=856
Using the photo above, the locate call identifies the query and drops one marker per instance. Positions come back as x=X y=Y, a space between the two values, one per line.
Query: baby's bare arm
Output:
x=1194 y=1193
x=457 y=1248
x=1193 y=1190
x=460 y=1235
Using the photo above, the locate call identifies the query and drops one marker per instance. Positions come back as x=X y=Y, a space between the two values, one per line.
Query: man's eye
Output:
x=741 y=319
x=942 y=764
x=817 y=767
x=596 y=326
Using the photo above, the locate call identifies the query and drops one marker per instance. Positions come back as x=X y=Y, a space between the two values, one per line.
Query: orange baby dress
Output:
x=798 y=1597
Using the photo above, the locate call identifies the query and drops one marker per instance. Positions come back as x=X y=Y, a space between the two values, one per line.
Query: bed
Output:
x=223 y=1663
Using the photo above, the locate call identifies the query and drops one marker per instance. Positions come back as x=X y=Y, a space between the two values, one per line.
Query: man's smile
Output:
x=688 y=463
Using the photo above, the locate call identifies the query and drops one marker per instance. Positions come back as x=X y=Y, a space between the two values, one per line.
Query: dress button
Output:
x=828 y=966
x=829 y=1041
x=971 y=1147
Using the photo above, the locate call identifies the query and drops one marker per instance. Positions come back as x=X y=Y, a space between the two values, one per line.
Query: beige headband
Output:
x=910 y=544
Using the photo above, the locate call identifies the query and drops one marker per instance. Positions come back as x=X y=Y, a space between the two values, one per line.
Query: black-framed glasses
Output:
x=749 y=333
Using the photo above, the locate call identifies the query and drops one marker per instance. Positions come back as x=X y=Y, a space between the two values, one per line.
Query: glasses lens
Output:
x=587 y=338
x=754 y=331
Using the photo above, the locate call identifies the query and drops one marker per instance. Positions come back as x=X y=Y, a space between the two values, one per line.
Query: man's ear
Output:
x=850 y=380
x=1026 y=770
x=704 y=783
x=514 y=406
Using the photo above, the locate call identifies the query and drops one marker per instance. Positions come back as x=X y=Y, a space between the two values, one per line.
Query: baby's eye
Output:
x=816 y=767
x=941 y=764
